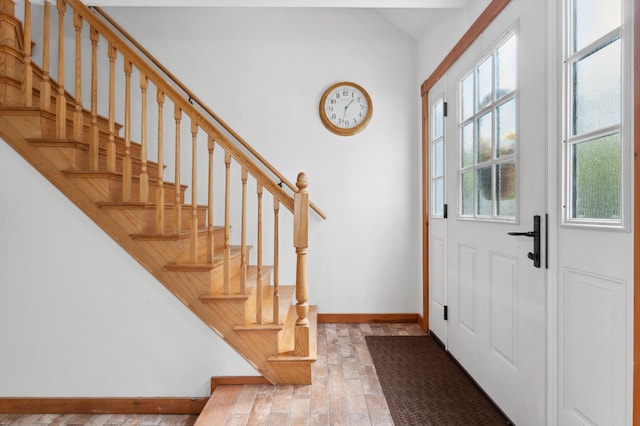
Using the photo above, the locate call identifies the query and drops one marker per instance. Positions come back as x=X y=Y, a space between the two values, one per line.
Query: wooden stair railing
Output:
x=123 y=176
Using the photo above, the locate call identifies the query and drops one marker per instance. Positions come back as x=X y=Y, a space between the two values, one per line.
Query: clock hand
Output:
x=345 y=108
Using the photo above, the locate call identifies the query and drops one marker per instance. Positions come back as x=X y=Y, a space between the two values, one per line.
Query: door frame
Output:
x=481 y=23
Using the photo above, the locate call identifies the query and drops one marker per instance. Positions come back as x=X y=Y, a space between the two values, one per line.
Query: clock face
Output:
x=345 y=108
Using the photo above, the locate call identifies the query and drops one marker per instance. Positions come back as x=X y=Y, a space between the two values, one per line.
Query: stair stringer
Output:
x=258 y=347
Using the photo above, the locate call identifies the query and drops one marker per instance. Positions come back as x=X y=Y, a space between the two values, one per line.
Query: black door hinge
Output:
x=446 y=312
x=444 y=109
x=445 y=211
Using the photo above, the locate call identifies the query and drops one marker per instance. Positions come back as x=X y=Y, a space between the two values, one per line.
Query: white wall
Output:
x=78 y=317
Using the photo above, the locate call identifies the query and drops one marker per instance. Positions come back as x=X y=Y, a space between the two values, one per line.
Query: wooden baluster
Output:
x=61 y=101
x=127 y=167
x=227 y=227
x=194 y=191
x=301 y=243
x=77 y=115
x=177 y=202
x=259 y=286
x=243 y=235
x=27 y=88
x=144 y=175
x=45 y=86
x=276 y=260
x=160 y=188
x=94 y=147
x=210 y=241
x=111 y=144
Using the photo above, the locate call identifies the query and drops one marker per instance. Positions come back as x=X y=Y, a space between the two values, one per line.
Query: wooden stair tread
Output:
x=219 y=407
x=169 y=236
x=143 y=206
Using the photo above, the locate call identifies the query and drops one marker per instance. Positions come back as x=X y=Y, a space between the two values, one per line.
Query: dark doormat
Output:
x=423 y=385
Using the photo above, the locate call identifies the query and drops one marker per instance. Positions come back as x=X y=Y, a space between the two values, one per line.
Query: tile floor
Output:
x=345 y=390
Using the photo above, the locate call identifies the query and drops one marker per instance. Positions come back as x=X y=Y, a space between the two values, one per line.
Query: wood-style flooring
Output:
x=345 y=391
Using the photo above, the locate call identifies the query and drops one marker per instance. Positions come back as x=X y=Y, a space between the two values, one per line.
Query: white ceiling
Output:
x=410 y=16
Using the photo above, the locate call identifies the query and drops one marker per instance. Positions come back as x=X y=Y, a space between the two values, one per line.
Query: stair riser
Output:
x=214 y=279
x=251 y=308
x=291 y=372
x=144 y=219
x=149 y=222
x=184 y=255
x=286 y=338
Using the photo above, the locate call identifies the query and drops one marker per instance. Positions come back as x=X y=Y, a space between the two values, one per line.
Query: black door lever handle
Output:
x=535 y=255
x=523 y=234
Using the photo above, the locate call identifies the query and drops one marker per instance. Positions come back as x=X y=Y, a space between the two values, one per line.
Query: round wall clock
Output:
x=345 y=108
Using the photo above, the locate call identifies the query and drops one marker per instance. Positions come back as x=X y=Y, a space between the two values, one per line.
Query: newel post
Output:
x=301 y=243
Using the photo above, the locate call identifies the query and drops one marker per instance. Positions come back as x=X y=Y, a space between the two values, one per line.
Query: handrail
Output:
x=195 y=98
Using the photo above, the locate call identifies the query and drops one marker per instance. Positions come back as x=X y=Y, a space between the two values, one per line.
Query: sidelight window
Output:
x=488 y=136
x=437 y=158
x=593 y=127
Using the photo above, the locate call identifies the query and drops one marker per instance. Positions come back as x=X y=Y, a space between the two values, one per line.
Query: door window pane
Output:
x=467 y=194
x=438 y=197
x=596 y=86
x=438 y=159
x=467 y=145
x=597 y=178
x=506 y=127
x=467 y=97
x=485 y=192
x=485 y=137
x=506 y=189
x=438 y=111
x=506 y=68
x=485 y=83
x=593 y=19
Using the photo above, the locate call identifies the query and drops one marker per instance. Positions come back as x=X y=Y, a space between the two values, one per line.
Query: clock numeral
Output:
x=345 y=93
x=330 y=108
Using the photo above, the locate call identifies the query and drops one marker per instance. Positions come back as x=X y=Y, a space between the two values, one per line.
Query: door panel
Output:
x=504 y=307
x=593 y=362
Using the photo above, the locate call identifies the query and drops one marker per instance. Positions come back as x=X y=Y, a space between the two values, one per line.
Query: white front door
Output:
x=496 y=183
x=438 y=214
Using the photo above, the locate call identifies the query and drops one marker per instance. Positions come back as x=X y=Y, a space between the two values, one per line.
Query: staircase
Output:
x=83 y=145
